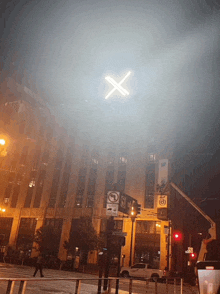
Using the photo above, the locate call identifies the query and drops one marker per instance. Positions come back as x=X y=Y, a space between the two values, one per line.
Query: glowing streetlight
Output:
x=2 y=142
x=117 y=86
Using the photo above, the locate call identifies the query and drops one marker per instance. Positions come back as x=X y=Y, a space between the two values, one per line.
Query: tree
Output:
x=83 y=236
x=47 y=238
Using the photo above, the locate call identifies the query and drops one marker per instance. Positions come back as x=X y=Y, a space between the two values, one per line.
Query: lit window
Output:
x=32 y=184
x=123 y=159
x=152 y=157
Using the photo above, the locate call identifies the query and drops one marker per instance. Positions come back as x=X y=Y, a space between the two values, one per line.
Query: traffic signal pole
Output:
x=132 y=236
x=110 y=227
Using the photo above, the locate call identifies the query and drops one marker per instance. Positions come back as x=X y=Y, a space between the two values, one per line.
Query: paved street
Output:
x=67 y=287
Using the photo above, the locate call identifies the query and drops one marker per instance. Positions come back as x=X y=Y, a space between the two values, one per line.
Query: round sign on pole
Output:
x=113 y=197
x=162 y=201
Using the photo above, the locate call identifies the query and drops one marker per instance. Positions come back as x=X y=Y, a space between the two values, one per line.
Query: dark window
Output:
x=39 y=188
x=56 y=179
x=15 y=194
x=121 y=179
x=45 y=156
x=150 y=186
x=14 y=161
x=41 y=131
x=5 y=230
x=145 y=227
x=29 y=129
x=150 y=178
x=121 y=172
x=26 y=233
x=49 y=134
x=80 y=187
x=139 y=265
x=21 y=128
x=56 y=224
x=109 y=181
x=118 y=225
x=24 y=154
x=149 y=201
x=65 y=180
x=91 y=186
x=31 y=186
x=8 y=190
x=36 y=158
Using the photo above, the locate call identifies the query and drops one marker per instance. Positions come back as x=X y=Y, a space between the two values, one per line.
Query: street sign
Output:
x=189 y=250
x=112 y=209
x=118 y=233
x=113 y=197
x=123 y=202
x=126 y=202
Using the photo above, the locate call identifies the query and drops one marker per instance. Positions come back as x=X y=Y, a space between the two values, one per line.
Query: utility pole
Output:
x=109 y=230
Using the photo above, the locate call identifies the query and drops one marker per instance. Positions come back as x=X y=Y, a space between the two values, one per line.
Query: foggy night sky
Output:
x=171 y=47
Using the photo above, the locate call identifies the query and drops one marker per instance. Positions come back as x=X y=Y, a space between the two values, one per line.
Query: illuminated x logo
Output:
x=117 y=86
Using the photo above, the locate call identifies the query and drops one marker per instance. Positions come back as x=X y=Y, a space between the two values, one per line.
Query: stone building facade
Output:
x=49 y=175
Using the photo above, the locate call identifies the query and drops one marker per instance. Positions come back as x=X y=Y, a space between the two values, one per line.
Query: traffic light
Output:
x=139 y=208
x=177 y=236
x=133 y=211
x=193 y=256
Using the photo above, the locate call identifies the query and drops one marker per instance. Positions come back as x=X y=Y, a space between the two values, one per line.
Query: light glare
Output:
x=2 y=142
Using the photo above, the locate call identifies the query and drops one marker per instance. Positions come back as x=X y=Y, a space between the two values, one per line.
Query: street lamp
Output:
x=3 y=151
x=133 y=214
x=2 y=142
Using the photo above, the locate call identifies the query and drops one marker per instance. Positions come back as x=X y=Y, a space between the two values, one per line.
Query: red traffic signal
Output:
x=192 y=256
x=177 y=236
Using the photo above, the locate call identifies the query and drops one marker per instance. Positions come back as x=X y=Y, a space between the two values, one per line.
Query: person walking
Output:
x=39 y=266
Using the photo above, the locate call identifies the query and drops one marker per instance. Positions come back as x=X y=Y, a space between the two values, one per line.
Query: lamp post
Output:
x=133 y=216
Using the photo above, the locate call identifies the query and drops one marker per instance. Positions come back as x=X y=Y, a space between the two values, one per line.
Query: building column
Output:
x=67 y=222
x=14 y=229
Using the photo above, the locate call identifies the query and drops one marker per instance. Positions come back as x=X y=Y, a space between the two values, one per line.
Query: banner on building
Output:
x=122 y=201
x=163 y=172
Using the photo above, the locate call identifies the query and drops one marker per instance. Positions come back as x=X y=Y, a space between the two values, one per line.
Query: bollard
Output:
x=167 y=286
x=156 y=287
x=78 y=286
x=181 y=286
x=10 y=287
x=174 y=286
x=130 y=286
x=22 y=287
x=147 y=284
x=109 y=286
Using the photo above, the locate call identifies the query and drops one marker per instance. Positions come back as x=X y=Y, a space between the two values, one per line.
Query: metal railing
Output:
x=76 y=290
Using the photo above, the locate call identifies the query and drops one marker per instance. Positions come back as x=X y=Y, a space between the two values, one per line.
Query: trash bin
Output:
x=209 y=277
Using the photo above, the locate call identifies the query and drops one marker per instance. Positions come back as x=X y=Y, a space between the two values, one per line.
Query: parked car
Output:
x=142 y=270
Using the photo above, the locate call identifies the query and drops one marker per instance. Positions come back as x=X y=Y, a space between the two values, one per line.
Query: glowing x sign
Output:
x=117 y=86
